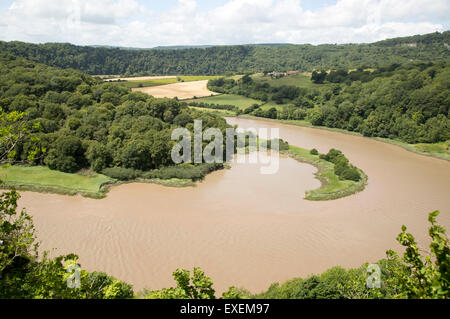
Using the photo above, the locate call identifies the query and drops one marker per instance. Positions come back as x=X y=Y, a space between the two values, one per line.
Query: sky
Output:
x=149 y=23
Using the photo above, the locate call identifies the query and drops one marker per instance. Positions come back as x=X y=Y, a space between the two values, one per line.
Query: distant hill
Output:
x=213 y=60
x=421 y=40
x=182 y=47
x=116 y=47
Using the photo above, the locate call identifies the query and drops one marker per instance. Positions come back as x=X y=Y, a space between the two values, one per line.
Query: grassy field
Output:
x=442 y=148
x=147 y=83
x=241 y=102
x=236 y=77
x=272 y=104
x=214 y=111
x=190 y=78
x=439 y=150
x=332 y=187
x=300 y=80
x=43 y=179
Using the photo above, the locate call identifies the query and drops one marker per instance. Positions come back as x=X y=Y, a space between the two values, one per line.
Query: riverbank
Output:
x=437 y=150
x=85 y=183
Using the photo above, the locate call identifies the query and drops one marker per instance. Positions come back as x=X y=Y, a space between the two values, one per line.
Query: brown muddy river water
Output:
x=248 y=229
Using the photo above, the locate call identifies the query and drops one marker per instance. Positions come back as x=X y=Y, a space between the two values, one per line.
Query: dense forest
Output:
x=410 y=102
x=81 y=122
x=234 y=59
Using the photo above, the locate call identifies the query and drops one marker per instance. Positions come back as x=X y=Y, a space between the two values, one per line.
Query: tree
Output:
x=182 y=119
x=13 y=128
x=67 y=155
x=318 y=77
x=98 y=156
x=137 y=154
x=272 y=113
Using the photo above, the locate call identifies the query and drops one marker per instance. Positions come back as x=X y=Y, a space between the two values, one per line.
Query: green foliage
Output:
x=13 y=128
x=17 y=235
x=214 y=106
x=67 y=155
x=426 y=276
x=318 y=77
x=314 y=152
x=282 y=145
x=122 y=174
x=117 y=290
x=184 y=171
x=197 y=286
x=335 y=283
x=182 y=119
x=236 y=293
x=342 y=167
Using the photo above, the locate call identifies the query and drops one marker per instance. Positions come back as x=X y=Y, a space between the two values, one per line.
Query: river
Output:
x=247 y=229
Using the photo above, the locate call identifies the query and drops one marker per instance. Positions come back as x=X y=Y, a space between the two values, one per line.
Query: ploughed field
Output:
x=181 y=90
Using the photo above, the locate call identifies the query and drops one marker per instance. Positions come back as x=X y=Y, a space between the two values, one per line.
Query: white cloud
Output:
x=127 y=23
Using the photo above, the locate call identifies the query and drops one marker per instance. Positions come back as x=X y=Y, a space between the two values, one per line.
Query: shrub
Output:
x=282 y=145
x=184 y=171
x=314 y=152
x=182 y=119
x=122 y=174
x=342 y=167
x=100 y=285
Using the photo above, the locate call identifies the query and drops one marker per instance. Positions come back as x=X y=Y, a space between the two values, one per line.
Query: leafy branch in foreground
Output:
x=425 y=277
x=197 y=286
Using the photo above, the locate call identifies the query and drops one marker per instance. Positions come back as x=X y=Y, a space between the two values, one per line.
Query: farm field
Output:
x=148 y=83
x=214 y=111
x=241 y=102
x=190 y=78
x=180 y=90
x=299 y=80
x=139 y=78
